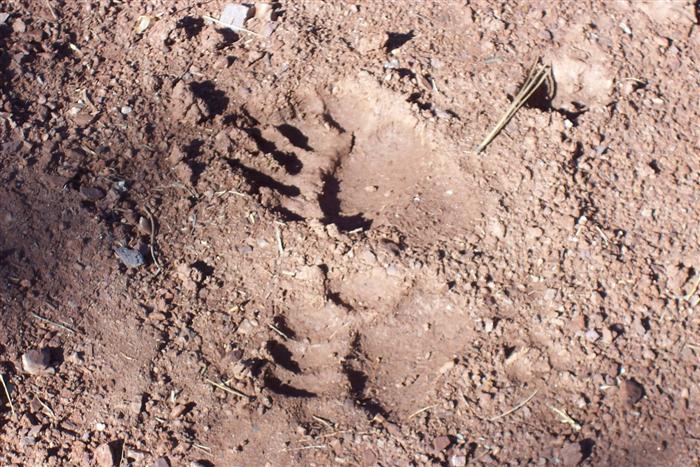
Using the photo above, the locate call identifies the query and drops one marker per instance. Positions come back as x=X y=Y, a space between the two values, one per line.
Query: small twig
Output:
x=278 y=237
x=203 y=448
x=692 y=290
x=536 y=77
x=315 y=446
x=231 y=26
x=45 y=406
x=424 y=409
x=323 y=421
x=54 y=323
x=516 y=408
x=340 y=432
x=468 y=403
x=51 y=10
x=219 y=194
x=122 y=452
x=228 y=389
x=565 y=418
x=274 y=328
x=7 y=394
x=152 y=244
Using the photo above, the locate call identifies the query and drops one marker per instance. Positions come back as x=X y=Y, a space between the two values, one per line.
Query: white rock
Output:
x=234 y=15
x=497 y=229
x=37 y=362
x=592 y=335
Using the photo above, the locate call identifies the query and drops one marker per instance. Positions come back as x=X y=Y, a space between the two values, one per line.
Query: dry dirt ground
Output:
x=331 y=275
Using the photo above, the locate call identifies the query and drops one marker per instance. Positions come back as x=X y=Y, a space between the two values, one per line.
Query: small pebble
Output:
x=626 y=29
x=130 y=258
x=441 y=443
x=37 y=362
x=592 y=335
x=161 y=462
x=145 y=226
x=631 y=392
x=245 y=249
x=458 y=461
x=126 y=110
x=75 y=358
x=497 y=229
x=19 y=26
x=136 y=406
x=104 y=457
x=92 y=193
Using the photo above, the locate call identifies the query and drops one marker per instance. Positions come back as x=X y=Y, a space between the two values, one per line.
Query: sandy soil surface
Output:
x=279 y=247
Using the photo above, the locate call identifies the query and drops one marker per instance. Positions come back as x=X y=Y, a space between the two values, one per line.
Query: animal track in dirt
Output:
x=359 y=158
x=355 y=156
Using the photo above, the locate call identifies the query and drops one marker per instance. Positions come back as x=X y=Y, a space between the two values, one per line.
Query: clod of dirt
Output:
x=631 y=392
x=178 y=410
x=37 y=362
x=570 y=454
x=581 y=81
x=130 y=258
x=184 y=172
x=104 y=455
x=188 y=276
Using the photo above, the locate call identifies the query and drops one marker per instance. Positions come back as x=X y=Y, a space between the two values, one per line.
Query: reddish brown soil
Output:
x=332 y=247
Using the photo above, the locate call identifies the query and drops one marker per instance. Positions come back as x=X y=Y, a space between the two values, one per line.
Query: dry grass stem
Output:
x=565 y=418
x=228 y=389
x=152 y=244
x=231 y=26
x=516 y=408
x=46 y=407
x=278 y=237
x=424 y=409
x=205 y=449
x=7 y=395
x=277 y=330
x=538 y=75
x=323 y=421
x=315 y=446
x=53 y=323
